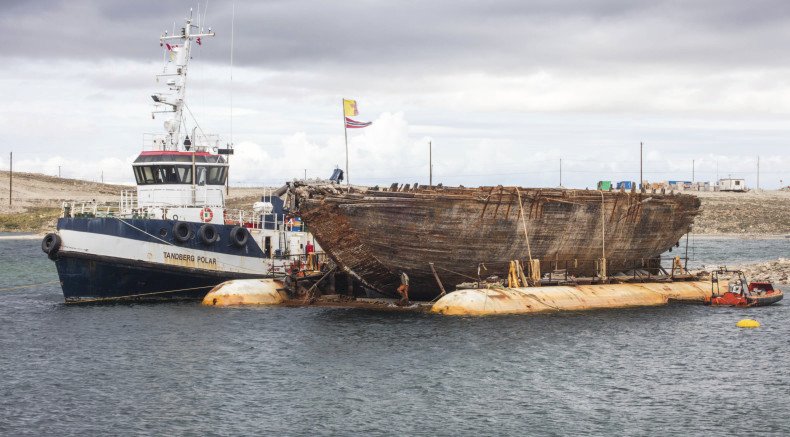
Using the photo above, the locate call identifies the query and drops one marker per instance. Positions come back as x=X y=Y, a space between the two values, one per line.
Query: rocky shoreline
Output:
x=776 y=271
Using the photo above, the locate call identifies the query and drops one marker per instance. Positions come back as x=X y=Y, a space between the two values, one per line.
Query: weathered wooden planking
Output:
x=378 y=234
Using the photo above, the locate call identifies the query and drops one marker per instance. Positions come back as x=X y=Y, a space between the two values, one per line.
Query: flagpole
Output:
x=345 y=132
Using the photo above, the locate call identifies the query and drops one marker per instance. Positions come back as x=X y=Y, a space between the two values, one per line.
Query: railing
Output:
x=260 y=220
x=201 y=143
x=644 y=269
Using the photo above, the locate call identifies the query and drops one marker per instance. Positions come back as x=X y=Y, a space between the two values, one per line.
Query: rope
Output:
x=456 y=273
x=524 y=224
x=129 y=296
x=146 y=233
x=17 y=287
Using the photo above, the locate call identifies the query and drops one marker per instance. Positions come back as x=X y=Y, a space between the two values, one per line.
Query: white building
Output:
x=732 y=185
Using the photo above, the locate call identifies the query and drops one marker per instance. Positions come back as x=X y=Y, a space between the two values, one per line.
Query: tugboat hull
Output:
x=112 y=258
x=86 y=279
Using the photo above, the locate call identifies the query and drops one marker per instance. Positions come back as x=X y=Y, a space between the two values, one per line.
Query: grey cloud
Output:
x=508 y=36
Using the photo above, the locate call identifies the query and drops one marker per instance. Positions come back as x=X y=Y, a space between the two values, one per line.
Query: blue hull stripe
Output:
x=159 y=231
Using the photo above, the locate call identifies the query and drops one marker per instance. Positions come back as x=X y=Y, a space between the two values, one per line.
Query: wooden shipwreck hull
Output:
x=377 y=234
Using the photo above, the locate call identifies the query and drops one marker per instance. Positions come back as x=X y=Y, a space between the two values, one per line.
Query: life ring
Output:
x=51 y=245
x=206 y=214
x=181 y=232
x=208 y=234
x=238 y=236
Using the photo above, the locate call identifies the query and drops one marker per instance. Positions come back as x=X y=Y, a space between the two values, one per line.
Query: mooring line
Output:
x=456 y=273
x=129 y=296
x=144 y=232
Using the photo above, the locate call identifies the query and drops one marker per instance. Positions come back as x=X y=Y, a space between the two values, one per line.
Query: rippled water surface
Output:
x=186 y=369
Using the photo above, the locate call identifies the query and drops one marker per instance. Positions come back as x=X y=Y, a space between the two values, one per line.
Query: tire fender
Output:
x=181 y=232
x=51 y=245
x=239 y=236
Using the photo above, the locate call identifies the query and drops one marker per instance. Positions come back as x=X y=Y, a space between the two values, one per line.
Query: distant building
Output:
x=701 y=186
x=679 y=185
x=730 y=184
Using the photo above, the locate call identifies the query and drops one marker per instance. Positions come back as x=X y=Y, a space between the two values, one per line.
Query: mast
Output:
x=178 y=46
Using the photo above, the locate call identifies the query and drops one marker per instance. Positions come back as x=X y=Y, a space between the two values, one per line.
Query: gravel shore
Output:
x=755 y=213
x=776 y=271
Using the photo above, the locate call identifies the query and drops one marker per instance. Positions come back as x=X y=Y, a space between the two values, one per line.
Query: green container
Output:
x=605 y=185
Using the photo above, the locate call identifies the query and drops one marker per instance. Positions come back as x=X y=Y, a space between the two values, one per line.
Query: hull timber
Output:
x=377 y=234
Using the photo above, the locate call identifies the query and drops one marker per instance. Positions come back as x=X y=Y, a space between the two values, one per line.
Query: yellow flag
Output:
x=350 y=108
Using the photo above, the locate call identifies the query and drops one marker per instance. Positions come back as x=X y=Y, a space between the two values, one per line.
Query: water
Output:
x=186 y=369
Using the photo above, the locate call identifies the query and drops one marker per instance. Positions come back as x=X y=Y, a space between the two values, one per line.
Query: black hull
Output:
x=761 y=301
x=96 y=279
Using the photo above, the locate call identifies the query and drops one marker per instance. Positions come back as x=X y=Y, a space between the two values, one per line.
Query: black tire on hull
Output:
x=208 y=234
x=181 y=232
x=238 y=236
x=51 y=245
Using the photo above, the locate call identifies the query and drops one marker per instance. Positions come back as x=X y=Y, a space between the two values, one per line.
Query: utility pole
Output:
x=305 y=174
x=717 y=171
x=430 y=164
x=758 y=172
x=640 y=166
x=11 y=178
x=560 y=171
x=58 y=172
x=692 y=171
x=102 y=176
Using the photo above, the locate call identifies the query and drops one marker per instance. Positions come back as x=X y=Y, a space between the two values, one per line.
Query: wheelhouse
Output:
x=187 y=168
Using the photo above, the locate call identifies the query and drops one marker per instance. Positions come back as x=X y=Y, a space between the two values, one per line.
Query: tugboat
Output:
x=172 y=237
x=742 y=293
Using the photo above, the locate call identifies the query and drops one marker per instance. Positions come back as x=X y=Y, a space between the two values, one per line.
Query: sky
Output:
x=506 y=92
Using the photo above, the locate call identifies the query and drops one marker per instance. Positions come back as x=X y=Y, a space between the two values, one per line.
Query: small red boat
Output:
x=742 y=293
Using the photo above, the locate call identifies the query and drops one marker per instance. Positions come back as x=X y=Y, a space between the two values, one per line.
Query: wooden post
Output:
x=10 y=179
x=521 y=275
x=349 y=284
x=438 y=281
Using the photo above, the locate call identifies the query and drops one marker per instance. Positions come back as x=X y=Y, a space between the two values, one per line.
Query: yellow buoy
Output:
x=748 y=323
x=246 y=292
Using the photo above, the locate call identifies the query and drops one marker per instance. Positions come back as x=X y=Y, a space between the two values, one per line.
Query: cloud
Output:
x=503 y=89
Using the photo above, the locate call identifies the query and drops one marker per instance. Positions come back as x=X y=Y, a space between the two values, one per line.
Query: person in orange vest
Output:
x=403 y=290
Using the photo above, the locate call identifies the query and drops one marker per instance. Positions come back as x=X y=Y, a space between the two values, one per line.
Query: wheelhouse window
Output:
x=213 y=175
x=163 y=174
